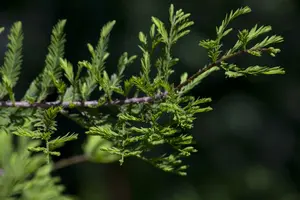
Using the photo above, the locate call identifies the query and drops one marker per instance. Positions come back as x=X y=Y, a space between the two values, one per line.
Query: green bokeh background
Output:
x=248 y=145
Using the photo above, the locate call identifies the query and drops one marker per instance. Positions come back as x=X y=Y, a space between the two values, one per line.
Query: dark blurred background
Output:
x=248 y=145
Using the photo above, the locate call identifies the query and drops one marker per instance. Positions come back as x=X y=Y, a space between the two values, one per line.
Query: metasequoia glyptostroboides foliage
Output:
x=148 y=111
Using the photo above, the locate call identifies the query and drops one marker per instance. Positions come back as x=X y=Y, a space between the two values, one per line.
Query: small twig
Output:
x=64 y=162
x=223 y=58
x=70 y=161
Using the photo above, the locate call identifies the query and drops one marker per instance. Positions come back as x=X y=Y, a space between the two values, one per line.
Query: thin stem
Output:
x=67 y=104
x=48 y=151
x=64 y=162
x=70 y=161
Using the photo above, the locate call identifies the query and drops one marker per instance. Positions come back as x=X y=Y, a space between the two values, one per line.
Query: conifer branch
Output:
x=123 y=137
x=134 y=100
x=159 y=114
x=82 y=158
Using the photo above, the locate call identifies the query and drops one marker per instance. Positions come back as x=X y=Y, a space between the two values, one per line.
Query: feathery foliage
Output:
x=12 y=61
x=45 y=125
x=158 y=116
x=41 y=87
